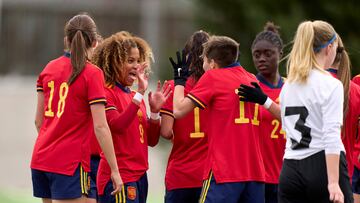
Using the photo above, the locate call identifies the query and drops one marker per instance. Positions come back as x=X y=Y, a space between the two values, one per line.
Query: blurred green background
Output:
x=31 y=34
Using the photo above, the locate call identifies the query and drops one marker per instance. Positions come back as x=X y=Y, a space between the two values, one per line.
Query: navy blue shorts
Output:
x=188 y=195
x=271 y=193
x=58 y=186
x=237 y=192
x=133 y=192
x=356 y=181
x=94 y=165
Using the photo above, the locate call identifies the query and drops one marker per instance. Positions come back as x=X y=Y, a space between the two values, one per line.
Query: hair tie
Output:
x=317 y=49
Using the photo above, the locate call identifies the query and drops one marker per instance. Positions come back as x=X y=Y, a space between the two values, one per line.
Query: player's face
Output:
x=130 y=67
x=331 y=54
x=266 y=57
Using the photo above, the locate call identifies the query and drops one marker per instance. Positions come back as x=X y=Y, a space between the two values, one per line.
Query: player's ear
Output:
x=94 y=44
x=213 y=64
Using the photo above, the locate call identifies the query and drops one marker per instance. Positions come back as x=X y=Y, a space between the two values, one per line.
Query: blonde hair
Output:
x=309 y=40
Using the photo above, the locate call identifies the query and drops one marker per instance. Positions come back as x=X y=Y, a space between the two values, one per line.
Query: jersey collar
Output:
x=123 y=88
x=67 y=54
x=233 y=65
x=332 y=70
x=264 y=81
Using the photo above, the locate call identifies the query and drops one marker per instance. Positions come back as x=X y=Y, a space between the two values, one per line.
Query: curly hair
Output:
x=111 y=56
x=113 y=52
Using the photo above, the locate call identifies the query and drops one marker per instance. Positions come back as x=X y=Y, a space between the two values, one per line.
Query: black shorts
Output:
x=306 y=180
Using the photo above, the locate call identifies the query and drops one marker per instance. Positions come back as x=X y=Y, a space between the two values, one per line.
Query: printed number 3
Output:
x=300 y=126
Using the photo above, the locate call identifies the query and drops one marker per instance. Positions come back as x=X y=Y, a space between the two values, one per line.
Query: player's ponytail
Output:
x=342 y=62
x=80 y=34
x=78 y=55
x=310 y=39
x=301 y=57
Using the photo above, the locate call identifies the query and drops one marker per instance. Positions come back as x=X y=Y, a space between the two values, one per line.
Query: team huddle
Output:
x=237 y=137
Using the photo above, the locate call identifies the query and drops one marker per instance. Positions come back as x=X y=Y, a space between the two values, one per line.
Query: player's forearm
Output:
x=153 y=132
x=332 y=166
x=103 y=136
x=181 y=105
x=274 y=109
x=166 y=130
x=120 y=121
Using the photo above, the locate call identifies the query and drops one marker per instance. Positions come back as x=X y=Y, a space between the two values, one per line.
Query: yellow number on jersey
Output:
x=197 y=133
x=276 y=125
x=242 y=119
x=64 y=89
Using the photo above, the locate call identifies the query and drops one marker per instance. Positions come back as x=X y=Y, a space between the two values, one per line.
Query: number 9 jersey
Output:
x=312 y=115
x=64 y=138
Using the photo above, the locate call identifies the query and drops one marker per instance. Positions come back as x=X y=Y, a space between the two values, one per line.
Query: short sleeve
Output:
x=110 y=103
x=203 y=91
x=167 y=108
x=39 y=83
x=96 y=89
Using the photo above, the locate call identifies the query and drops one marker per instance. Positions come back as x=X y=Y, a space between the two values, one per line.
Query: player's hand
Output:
x=181 y=68
x=252 y=94
x=159 y=97
x=143 y=79
x=335 y=192
x=117 y=182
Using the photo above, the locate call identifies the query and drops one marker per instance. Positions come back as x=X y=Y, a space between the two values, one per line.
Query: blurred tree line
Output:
x=243 y=19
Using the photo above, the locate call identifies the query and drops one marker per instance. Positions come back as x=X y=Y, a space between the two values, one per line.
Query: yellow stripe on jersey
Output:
x=117 y=198
x=110 y=108
x=164 y=111
x=82 y=180
x=206 y=189
x=197 y=101
x=103 y=100
x=123 y=194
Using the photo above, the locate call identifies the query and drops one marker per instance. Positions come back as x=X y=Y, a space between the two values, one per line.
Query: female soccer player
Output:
x=124 y=58
x=234 y=170
x=311 y=101
x=70 y=108
x=266 y=53
x=183 y=179
x=341 y=70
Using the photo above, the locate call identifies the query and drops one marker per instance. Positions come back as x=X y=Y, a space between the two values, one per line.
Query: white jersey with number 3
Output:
x=312 y=115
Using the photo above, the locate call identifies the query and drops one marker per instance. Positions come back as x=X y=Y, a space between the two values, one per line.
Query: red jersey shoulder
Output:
x=356 y=79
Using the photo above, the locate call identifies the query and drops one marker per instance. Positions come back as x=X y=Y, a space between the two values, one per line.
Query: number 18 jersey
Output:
x=312 y=115
x=64 y=137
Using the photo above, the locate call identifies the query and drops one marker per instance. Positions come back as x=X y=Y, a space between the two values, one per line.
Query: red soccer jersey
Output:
x=187 y=158
x=349 y=129
x=64 y=137
x=131 y=142
x=355 y=86
x=272 y=138
x=234 y=152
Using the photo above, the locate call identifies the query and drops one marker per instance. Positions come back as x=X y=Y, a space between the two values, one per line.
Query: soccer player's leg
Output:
x=60 y=188
x=189 y=195
x=356 y=184
x=291 y=186
x=220 y=192
x=94 y=164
